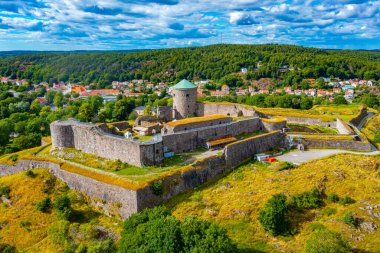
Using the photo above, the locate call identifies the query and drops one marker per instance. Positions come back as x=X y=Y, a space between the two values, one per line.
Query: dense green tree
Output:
x=272 y=216
x=86 y=112
x=155 y=230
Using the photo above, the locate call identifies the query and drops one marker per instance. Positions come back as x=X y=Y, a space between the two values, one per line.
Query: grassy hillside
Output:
x=235 y=201
x=30 y=230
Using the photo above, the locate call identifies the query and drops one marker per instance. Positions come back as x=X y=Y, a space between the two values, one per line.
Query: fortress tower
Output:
x=184 y=100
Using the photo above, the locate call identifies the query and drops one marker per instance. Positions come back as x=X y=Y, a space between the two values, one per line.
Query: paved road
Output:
x=298 y=157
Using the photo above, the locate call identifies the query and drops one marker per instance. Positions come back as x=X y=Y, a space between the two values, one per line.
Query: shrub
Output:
x=349 y=219
x=5 y=191
x=326 y=241
x=286 y=166
x=63 y=207
x=156 y=230
x=308 y=200
x=328 y=212
x=346 y=200
x=156 y=187
x=44 y=205
x=59 y=232
x=25 y=224
x=30 y=173
x=272 y=216
x=7 y=248
x=333 y=197
x=13 y=157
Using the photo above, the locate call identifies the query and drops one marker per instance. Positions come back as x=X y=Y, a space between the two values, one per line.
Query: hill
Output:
x=235 y=201
x=211 y=62
x=31 y=230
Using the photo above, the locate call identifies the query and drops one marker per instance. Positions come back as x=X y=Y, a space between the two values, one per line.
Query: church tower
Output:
x=184 y=100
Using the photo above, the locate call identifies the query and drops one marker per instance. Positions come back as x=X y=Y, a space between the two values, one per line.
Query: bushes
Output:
x=308 y=200
x=5 y=191
x=155 y=230
x=286 y=166
x=325 y=241
x=333 y=197
x=44 y=205
x=272 y=216
x=346 y=200
x=349 y=219
x=156 y=187
x=30 y=173
x=7 y=248
x=63 y=207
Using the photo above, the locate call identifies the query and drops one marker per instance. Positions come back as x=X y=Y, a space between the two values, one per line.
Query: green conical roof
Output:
x=184 y=84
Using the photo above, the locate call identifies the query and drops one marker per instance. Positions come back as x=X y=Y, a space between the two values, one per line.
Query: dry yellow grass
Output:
x=196 y=120
x=274 y=120
x=234 y=201
x=25 y=193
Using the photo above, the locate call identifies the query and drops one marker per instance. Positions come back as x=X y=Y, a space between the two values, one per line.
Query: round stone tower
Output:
x=184 y=100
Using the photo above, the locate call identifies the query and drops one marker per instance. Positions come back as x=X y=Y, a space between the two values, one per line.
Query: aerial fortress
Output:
x=186 y=126
x=224 y=135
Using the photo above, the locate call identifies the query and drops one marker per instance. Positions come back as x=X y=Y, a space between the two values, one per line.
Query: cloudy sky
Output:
x=132 y=24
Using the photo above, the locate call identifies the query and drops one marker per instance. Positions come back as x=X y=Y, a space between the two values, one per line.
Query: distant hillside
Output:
x=211 y=62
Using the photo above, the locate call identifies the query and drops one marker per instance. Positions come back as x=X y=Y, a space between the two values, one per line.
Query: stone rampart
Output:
x=233 y=110
x=356 y=121
x=239 y=151
x=175 y=127
x=114 y=200
x=343 y=127
x=92 y=139
x=274 y=124
x=310 y=121
x=192 y=139
x=338 y=144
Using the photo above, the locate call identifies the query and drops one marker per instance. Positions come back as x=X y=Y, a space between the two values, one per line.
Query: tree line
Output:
x=210 y=62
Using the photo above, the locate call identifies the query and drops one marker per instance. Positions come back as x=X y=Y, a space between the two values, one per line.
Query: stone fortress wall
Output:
x=195 y=138
x=92 y=139
x=116 y=200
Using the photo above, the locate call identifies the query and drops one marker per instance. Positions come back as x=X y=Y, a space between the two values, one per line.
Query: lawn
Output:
x=300 y=128
x=235 y=201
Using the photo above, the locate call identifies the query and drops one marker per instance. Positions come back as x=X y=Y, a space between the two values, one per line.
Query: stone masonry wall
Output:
x=239 y=151
x=343 y=127
x=114 y=200
x=233 y=110
x=310 y=121
x=172 y=128
x=92 y=139
x=339 y=144
x=356 y=121
x=190 y=140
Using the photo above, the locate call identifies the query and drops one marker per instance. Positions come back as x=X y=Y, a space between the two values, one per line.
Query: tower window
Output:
x=187 y=95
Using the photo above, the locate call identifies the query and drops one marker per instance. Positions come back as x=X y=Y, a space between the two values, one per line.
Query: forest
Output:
x=209 y=62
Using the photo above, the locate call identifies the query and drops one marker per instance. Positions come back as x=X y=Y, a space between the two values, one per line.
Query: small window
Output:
x=157 y=151
x=185 y=128
x=220 y=122
x=187 y=95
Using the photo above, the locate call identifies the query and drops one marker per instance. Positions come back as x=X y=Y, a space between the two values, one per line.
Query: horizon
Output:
x=118 y=25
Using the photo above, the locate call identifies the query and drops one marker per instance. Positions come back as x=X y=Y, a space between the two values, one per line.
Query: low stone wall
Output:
x=239 y=151
x=338 y=144
x=356 y=121
x=192 y=139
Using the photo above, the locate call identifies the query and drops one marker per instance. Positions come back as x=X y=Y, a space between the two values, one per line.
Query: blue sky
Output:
x=141 y=24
